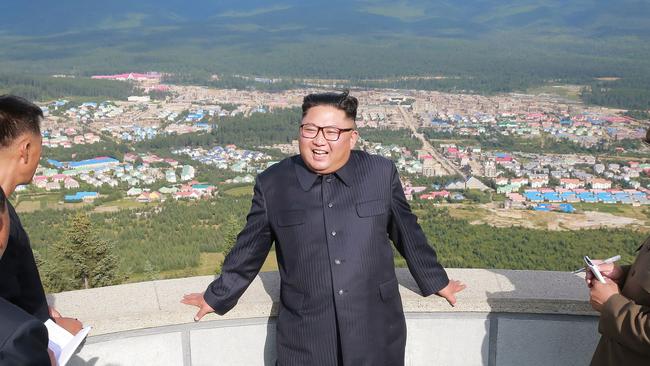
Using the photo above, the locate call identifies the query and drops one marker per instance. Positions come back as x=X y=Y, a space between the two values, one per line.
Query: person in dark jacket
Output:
x=23 y=339
x=20 y=153
x=4 y=223
x=331 y=212
x=623 y=302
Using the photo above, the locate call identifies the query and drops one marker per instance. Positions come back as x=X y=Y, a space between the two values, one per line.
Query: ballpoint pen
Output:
x=608 y=260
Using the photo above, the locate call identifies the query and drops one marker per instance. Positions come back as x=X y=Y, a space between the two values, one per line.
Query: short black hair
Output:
x=18 y=116
x=343 y=101
x=647 y=137
x=3 y=201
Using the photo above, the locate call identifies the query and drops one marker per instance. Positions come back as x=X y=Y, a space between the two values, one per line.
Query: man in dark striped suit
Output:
x=331 y=211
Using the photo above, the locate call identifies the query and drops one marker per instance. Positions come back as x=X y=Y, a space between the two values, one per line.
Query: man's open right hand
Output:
x=196 y=299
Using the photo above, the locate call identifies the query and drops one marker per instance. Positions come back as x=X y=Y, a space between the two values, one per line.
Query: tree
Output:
x=229 y=230
x=55 y=279
x=85 y=259
x=150 y=272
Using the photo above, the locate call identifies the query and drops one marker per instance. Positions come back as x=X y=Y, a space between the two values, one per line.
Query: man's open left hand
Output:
x=450 y=291
x=196 y=299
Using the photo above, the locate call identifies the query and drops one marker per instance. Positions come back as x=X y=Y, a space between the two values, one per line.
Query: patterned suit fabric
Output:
x=339 y=292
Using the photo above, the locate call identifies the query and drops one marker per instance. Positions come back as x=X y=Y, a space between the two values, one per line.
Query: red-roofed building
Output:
x=59 y=177
x=434 y=195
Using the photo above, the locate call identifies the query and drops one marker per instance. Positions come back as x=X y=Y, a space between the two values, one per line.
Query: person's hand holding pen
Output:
x=607 y=268
x=599 y=292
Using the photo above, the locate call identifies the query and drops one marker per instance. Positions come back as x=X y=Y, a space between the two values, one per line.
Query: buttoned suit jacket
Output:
x=335 y=260
x=23 y=338
x=625 y=318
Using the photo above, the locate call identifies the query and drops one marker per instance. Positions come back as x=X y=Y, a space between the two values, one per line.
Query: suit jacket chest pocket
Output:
x=372 y=208
x=290 y=218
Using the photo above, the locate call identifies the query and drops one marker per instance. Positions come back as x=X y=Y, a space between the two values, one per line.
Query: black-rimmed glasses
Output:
x=331 y=133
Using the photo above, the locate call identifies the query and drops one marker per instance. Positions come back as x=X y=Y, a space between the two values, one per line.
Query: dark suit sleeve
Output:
x=245 y=259
x=26 y=346
x=410 y=241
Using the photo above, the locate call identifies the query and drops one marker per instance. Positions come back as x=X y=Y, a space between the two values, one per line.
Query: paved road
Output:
x=426 y=145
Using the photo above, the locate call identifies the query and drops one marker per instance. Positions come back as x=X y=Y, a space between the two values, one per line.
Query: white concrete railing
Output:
x=504 y=317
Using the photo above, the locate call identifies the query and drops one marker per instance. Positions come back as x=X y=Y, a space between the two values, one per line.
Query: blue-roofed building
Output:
x=96 y=163
x=194 y=117
x=55 y=163
x=81 y=197
x=552 y=197
x=202 y=187
x=568 y=208
x=605 y=197
x=542 y=207
x=534 y=196
x=587 y=197
x=626 y=200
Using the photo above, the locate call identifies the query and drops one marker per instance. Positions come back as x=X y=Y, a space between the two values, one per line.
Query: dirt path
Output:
x=501 y=217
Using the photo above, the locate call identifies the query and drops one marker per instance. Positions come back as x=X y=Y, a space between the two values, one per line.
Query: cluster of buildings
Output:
x=67 y=137
x=83 y=113
x=106 y=171
x=193 y=109
x=450 y=191
x=569 y=172
x=584 y=129
x=559 y=195
x=190 y=191
x=135 y=172
x=229 y=158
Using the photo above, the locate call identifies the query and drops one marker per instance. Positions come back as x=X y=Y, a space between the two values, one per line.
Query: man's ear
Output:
x=353 y=138
x=25 y=149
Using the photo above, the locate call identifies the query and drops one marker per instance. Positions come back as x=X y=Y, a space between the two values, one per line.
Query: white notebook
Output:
x=62 y=342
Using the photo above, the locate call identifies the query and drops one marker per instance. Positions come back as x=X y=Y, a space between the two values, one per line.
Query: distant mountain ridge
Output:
x=500 y=44
x=586 y=18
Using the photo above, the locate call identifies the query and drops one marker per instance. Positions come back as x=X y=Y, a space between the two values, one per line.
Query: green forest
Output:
x=278 y=127
x=46 y=88
x=173 y=235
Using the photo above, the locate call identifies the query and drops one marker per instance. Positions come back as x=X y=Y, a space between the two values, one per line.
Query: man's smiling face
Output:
x=319 y=154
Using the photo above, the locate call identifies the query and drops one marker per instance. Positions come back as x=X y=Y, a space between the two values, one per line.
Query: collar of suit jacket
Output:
x=307 y=178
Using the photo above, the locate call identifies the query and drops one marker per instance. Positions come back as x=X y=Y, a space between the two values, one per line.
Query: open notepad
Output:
x=62 y=343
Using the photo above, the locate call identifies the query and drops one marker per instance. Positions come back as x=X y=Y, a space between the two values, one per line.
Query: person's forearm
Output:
x=627 y=323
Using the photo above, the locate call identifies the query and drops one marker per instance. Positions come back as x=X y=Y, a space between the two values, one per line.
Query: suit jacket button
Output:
x=337 y=261
x=341 y=292
x=333 y=233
